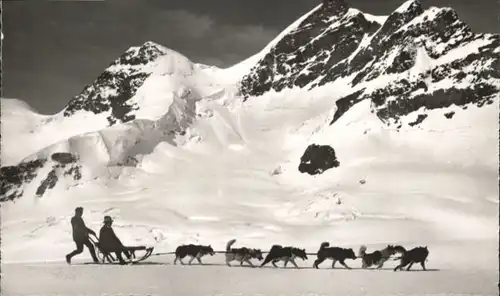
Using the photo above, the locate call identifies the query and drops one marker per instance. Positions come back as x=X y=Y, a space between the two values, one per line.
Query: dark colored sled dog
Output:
x=195 y=251
x=415 y=255
x=334 y=253
x=280 y=253
x=241 y=254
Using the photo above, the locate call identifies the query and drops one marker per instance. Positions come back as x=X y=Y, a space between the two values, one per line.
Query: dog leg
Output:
x=192 y=258
x=198 y=257
x=175 y=261
x=286 y=262
x=409 y=266
x=381 y=263
x=293 y=262
x=423 y=265
x=403 y=263
x=364 y=265
x=249 y=262
x=318 y=262
x=228 y=259
x=345 y=265
x=265 y=261
x=241 y=261
x=333 y=263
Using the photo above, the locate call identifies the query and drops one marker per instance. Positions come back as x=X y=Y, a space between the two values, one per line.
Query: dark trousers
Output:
x=79 y=249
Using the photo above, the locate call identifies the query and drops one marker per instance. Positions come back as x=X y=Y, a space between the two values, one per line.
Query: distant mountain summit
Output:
x=414 y=59
x=111 y=91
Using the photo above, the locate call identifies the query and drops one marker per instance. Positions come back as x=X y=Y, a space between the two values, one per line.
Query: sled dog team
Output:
x=109 y=243
x=289 y=254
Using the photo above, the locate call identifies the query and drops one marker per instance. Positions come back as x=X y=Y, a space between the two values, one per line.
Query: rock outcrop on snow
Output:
x=317 y=159
x=43 y=173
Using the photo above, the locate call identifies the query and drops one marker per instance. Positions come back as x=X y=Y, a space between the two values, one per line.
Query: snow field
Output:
x=160 y=277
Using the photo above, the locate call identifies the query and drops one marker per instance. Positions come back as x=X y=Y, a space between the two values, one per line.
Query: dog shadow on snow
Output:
x=281 y=267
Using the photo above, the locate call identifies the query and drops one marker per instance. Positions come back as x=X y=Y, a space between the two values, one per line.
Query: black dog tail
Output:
x=324 y=245
x=229 y=244
x=401 y=250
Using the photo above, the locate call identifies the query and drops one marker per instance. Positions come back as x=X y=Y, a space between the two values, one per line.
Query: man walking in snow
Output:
x=81 y=236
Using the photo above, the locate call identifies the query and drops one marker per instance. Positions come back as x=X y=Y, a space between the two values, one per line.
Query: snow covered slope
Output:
x=313 y=150
x=18 y=124
x=146 y=96
x=142 y=85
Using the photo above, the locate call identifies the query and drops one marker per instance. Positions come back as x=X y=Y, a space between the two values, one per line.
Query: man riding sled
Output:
x=110 y=243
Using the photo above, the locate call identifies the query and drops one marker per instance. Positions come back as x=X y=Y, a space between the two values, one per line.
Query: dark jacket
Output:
x=80 y=230
x=108 y=241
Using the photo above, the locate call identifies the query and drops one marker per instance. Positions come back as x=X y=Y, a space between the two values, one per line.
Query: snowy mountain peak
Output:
x=141 y=55
x=402 y=15
x=414 y=58
x=322 y=40
x=117 y=84
x=335 y=7
x=409 y=6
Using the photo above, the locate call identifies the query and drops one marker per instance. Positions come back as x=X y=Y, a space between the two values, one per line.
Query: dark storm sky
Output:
x=52 y=49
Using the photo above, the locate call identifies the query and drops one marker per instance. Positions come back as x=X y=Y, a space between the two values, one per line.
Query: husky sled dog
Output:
x=334 y=253
x=241 y=254
x=280 y=253
x=376 y=258
x=195 y=251
x=415 y=255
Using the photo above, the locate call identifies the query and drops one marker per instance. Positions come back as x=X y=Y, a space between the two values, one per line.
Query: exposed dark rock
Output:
x=419 y=120
x=13 y=177
x=48 y=183
x=129 y=161
x=397 y=19
x=75 y=172
x=64 y=158
x=112 y=90
x=449 y=115
x=92 y=100
x=317 y=159
x=478 y=94
x=345 y=104
x=298 y=59
x=402 y=62
x=149 y=51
